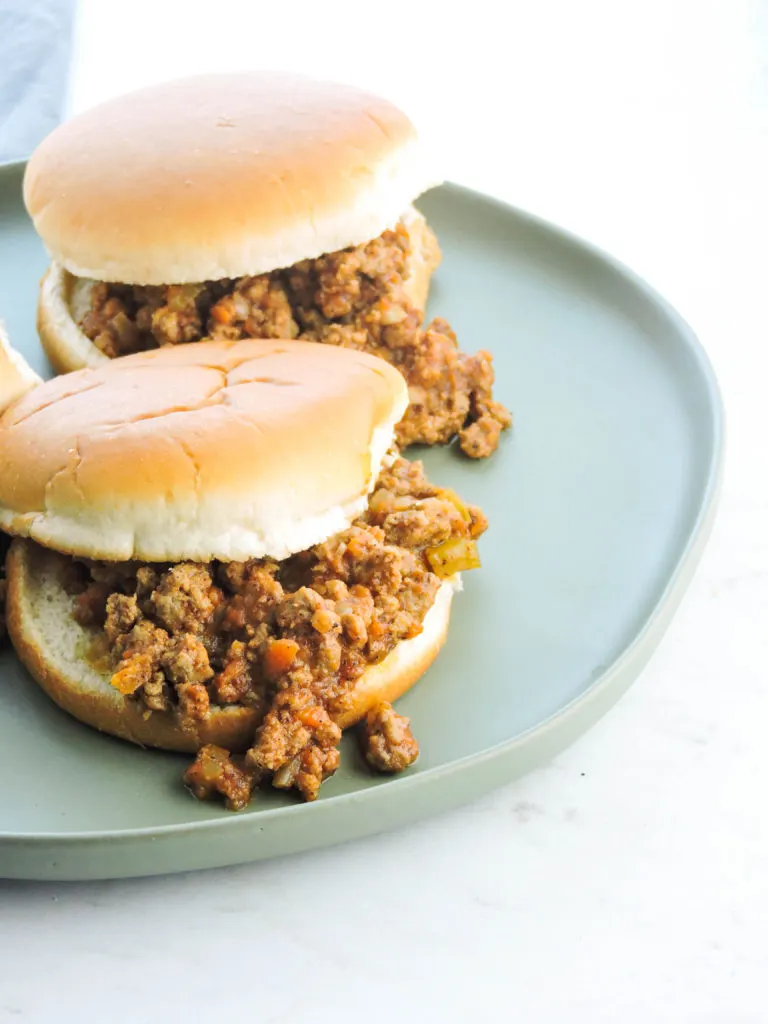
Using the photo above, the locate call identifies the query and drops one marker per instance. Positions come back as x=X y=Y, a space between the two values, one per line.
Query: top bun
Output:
x=225 y=450
x=16 y=375
x=220 y=176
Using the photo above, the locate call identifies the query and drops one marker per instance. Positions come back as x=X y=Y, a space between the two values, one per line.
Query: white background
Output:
x=628 y=881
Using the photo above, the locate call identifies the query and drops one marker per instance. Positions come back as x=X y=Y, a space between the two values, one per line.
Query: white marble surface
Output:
x=626 y=881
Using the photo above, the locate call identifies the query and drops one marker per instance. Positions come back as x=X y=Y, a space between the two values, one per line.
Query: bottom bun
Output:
x=54 y=649
x=63 y=342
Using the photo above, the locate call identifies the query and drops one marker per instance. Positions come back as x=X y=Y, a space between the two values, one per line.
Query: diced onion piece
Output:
x=448 y=494
x=181 y=296
x=211 y=760
x=455 y=555
x=285 y=776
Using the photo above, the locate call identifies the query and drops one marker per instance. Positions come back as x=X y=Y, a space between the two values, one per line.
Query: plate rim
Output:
x=655 y=622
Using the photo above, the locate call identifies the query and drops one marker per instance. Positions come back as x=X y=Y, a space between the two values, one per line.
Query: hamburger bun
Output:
x=220 y=176
x=215 y=450
x=16 y=376
x=54 y=649
x=64 y=299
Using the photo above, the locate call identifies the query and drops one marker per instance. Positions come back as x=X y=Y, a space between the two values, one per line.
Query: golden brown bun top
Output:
x=220 y=176
x=227 y=450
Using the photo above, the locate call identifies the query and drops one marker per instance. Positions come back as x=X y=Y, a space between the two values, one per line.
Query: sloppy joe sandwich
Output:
x=257 y=205
x=217 y=550
x=16 y=377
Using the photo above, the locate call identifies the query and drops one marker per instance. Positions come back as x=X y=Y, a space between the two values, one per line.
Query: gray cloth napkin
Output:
x=35 y=43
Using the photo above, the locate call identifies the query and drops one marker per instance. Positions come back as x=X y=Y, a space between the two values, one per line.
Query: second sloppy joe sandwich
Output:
x=217 y=551
x=257 y=205
x=16 y=377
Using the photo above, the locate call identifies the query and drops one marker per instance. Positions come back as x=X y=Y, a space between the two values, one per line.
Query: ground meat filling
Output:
x=288 y=639
x=216 y=772
x=355 y=298
x=387 y=741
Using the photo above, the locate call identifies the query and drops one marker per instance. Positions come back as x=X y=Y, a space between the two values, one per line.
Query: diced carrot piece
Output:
x=280 y=656
x=134 y=674
x=222 y=314
x=313 y=717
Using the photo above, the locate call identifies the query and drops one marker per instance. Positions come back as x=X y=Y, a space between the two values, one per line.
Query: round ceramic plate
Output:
x=600 y=500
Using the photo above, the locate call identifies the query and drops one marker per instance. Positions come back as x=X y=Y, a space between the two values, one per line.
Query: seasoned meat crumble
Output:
x=387 y=741
x=355 y=298
x=288 y=639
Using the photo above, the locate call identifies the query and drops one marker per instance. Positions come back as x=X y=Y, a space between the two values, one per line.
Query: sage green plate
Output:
x=600 y=501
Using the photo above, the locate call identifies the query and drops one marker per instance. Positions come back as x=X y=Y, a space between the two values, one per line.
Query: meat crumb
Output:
x=215 y=770
x=387 y=741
